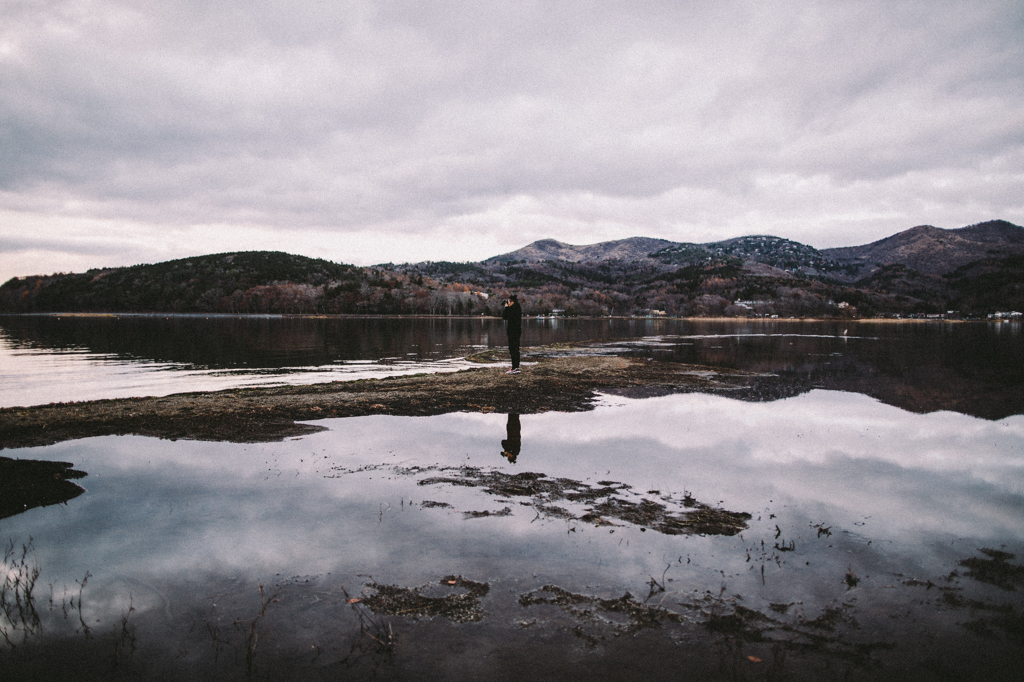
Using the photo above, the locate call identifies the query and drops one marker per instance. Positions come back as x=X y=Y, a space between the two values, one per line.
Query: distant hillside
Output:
x=925 y=270
x=199 y=284
x=933 y=250
x=252 y=282
x=632 y=249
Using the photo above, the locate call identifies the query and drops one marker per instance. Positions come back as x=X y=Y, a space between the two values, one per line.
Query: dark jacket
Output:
x=513 y=316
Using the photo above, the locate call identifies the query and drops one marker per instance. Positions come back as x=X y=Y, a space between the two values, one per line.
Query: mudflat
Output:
x=268 y=414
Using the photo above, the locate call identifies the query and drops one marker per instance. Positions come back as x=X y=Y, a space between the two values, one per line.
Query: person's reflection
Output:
x=513 y=439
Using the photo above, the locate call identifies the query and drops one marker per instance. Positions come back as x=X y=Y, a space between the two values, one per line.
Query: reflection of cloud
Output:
x=839 y=449
x=160 y=511
x=820 y=426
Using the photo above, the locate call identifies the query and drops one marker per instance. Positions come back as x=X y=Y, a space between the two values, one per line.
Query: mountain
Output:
x=779 y=253
x=932 y=250
x=925 y=249
x=975 y=270
x=632 y=249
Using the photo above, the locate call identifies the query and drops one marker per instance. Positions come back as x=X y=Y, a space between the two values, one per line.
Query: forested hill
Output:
x=227 y=281
x=924 y=270
x=251 y=282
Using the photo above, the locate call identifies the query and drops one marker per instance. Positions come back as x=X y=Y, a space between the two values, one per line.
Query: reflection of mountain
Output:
x=930 y=389
x=242 y=342
x=965 y=368
x=27 y=483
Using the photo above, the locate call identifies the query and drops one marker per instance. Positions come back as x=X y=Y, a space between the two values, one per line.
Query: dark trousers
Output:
x=513 y=349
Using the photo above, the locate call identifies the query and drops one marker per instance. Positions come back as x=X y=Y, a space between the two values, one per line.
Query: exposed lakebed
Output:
x=822 y=536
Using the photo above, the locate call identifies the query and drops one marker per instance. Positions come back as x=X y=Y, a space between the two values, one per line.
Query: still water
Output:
x=873 y=507
x=975 y=368
x=877 y=539
x=59 y=358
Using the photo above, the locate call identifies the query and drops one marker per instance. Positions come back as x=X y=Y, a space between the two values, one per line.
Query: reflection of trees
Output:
x=920 y=392
x=232 y=342
x=252 y=342
x=964 y=368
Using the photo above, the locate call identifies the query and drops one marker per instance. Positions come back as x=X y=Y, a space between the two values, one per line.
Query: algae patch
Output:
x=606 y=504
x=996 y=570
x=459 y=601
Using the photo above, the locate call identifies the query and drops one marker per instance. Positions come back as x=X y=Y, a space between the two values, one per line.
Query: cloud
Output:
x=456 y=130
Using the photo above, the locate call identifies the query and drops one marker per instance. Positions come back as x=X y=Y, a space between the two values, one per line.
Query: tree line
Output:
x=720 y=285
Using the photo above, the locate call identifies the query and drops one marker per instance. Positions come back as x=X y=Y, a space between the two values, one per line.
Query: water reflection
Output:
x=843 y=510
x=299 y=503
x=50 y=358
x=513 y=442
x=972 y=368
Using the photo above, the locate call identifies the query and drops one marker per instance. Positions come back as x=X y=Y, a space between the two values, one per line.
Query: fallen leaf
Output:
x=753 y=659
x=354 y=600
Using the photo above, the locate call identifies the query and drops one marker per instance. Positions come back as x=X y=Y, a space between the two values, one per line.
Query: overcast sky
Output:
x=366 y=132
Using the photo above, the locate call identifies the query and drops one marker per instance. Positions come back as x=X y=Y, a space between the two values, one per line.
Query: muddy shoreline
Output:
x=268 y=414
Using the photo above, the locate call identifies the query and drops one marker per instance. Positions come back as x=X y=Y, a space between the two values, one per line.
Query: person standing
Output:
x=513 y=316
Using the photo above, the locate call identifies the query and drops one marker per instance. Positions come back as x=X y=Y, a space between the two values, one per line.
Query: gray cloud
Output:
x=829 y=123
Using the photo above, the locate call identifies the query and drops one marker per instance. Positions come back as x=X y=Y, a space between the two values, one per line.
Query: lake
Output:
x=973 y=368
x=59 y=358
x=863 y=518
